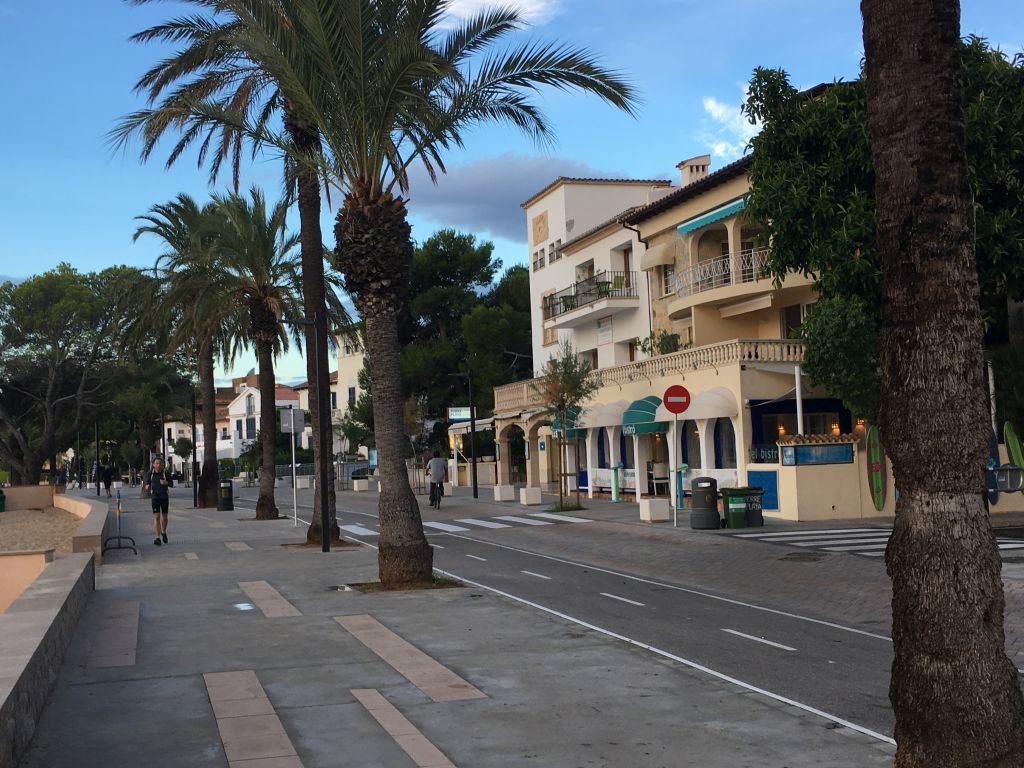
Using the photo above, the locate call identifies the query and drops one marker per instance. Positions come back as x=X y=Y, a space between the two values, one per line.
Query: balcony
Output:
x=604 y=288
x=522 y=395
x=732 y=269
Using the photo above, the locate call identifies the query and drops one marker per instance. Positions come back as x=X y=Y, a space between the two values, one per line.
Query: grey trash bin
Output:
x=225 y=496
x=704 y=511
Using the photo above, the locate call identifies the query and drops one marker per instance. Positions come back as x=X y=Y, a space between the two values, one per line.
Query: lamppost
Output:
x=97 y=425
x=195 y=462
x=326 y=444
x=472 y=429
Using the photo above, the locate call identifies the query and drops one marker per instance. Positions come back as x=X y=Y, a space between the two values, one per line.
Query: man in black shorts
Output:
x=158 y=483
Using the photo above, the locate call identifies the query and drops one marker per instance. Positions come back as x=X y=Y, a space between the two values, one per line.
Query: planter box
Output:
x=361 y=485
x=504 y=493
x=302 y=482
x=655 y=510
x=530 y=497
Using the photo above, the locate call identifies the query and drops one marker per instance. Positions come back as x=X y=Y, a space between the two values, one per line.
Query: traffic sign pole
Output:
x=676 y=401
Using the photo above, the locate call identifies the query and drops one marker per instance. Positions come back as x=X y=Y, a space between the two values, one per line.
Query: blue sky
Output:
x=67 y=73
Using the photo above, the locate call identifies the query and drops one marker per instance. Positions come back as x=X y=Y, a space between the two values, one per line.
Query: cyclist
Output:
x=437 y=473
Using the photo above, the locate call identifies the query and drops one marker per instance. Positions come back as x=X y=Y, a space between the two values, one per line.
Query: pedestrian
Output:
x=437 y=473
x=158 y=483
x=108 y=478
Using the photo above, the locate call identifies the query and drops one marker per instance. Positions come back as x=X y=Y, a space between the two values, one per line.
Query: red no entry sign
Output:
x=676 y=399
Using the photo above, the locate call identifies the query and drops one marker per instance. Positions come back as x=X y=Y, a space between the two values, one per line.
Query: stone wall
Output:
x=37 y=630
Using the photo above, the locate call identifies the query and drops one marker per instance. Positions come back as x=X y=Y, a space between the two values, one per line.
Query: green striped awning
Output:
x=709 y=217
x=572 y=414
x=640 y=417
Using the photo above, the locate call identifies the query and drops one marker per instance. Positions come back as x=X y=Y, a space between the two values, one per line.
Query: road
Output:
x=839 y=672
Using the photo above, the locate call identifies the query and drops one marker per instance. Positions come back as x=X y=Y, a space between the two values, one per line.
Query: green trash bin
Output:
x=735 y=502
x=3 y=500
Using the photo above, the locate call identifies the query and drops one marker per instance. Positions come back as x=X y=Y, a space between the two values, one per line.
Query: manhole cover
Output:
x=804 y=557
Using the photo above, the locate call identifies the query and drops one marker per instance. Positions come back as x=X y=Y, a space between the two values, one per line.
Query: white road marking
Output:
x=838 y=541
x=560 y=518
x=482 y=523
x=359 y=530
x=481 y=559
x=859 y=548
x=819 y=539
x=1011 y=546
x=538 y=575
x=445 y=527
x=817 y=532
x=623 y=599
x=691 y=664
x=437 y=546
x=759 y=639
x=698 y=593
x=523 y=520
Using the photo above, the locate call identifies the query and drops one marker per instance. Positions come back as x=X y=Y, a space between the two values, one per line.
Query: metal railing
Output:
x=523 y=395
x=734 y=268
x=603 y=285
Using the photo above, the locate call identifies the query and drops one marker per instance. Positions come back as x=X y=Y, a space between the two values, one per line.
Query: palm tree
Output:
x=213 y=65
x=186 y=230
x=389 y=84
x=255 y=268
x=955 y=694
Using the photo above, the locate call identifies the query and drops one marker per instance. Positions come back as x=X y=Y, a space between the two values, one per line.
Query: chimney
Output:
x=694 y=169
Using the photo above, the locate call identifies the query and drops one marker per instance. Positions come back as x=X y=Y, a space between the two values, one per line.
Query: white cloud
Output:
x=533 y=11
x=726 y=129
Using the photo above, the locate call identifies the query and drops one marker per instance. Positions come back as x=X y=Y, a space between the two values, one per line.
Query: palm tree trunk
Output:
x=955 y=694
x=266 y=509
x=208 y=396
x=374 y=253
x=315 y=305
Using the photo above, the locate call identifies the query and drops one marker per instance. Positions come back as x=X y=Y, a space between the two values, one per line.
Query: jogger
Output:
x=158 y=483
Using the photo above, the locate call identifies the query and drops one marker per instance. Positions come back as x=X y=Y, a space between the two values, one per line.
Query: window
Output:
x=668 y=279
x=792 y=318
x=334 y=401
x=250 y=427
x=554 y=252
x=250 y=405
x=627 y=260
x=170 y=434
x=538 y=259
x=550 y=334
x=351 y=396
x=223 y=433
x=238 y=427
x=604 y=330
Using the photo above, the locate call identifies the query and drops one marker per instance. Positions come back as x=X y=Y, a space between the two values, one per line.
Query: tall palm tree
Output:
x=389 y=84
x=211 y=64
x=955 y=694
x=255 y=268
x=187 y=232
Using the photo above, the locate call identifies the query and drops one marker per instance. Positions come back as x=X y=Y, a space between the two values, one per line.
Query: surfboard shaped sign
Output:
x=877 y=475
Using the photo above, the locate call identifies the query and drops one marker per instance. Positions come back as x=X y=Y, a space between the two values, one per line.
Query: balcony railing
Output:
x=603 y=285
x=742 y=267
x=522 y=395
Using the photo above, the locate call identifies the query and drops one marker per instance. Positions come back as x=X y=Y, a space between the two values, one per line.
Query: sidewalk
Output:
x=462 y=677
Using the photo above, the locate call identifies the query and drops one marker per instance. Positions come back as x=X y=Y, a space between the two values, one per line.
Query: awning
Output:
x=709 y=217
x=602 y=415
x=641 y=417
x=462 y=427
x=709 y=404
x=572 y=414
x=657 y=256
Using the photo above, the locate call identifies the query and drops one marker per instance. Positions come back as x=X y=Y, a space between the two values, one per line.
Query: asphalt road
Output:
x=840 y=673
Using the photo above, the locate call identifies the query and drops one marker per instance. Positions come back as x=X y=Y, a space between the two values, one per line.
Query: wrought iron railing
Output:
x=743 y=267
x=603 y=285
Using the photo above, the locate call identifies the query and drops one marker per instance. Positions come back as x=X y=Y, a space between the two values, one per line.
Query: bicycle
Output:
x=436 y=492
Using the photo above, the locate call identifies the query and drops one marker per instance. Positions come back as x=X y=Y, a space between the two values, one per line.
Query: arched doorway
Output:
x=540 y=454
x=725 y=444
x=689 y=440
x=512 y=459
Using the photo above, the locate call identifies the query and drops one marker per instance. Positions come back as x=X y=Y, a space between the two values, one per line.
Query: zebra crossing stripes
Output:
x=867 y=542
x=468 y=524
x=446 y=527
x=482 y=523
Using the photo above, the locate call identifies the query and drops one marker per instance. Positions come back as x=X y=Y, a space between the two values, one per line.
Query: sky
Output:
x=67 y=70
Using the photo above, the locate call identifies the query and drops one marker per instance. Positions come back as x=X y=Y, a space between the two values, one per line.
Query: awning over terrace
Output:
x=602 y=415
x=572 y=414
x=656 y=256
x=709 y=217
x=641 y=417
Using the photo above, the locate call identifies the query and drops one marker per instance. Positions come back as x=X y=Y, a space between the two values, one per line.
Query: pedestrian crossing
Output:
x=470 y=524
x=867 y=542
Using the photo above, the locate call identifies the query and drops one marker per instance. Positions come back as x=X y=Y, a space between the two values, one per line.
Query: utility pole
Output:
x=195 y=463
x=96 y=423
x=472 y=429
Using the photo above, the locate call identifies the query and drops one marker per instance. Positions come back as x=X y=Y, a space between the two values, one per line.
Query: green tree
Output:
x=219 y=60
x=411 y=87
x=812 y=190
x=564 y=387
x=955 y=694
x=183 y=448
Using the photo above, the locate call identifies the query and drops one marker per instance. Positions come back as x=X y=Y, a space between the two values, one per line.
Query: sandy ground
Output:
x=37 y=529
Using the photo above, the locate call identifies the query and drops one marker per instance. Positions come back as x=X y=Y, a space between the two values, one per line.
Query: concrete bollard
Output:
x=361 y=485
x=655 y=510
x=530 y=497
x=504 y=493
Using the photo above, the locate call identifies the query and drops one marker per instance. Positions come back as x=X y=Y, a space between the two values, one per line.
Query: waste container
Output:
x=225 y=496
x=3 y=500
x=734 y=501
x=755 y=515
x=704 y=505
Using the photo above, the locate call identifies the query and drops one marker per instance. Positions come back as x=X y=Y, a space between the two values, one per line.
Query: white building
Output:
x=345 y=391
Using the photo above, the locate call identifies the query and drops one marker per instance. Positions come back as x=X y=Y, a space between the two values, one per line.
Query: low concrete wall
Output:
x=18 y=570
x=29 y=497
x=37 y=629
x=96 y=524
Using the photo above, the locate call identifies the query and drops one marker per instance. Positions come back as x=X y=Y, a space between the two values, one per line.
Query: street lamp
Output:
x=322 y=404
x=195 y=461
x=472 y=429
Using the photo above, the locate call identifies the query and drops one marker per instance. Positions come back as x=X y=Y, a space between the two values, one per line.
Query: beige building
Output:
x=678 y=271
